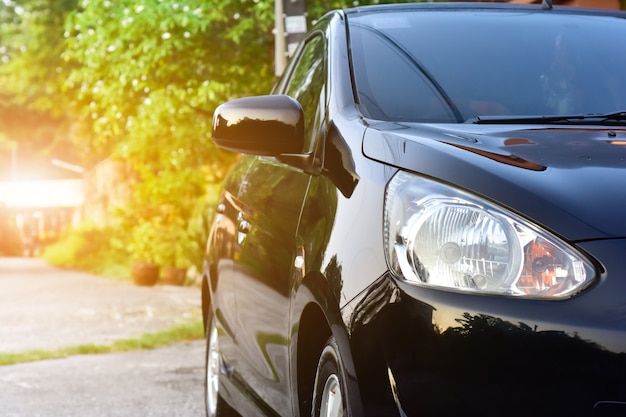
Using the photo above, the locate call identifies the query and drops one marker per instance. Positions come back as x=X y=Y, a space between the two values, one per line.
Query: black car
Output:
x=428 y=218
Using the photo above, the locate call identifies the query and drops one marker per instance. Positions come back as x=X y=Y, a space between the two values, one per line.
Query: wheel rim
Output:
x=212 y=372
x=332 y=399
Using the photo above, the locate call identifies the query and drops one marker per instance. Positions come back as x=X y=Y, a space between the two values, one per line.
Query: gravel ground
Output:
x=42 y=307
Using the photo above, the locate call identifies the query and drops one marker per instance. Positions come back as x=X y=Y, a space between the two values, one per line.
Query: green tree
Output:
x=155 y=70
x=33 y=107
x=146 y=78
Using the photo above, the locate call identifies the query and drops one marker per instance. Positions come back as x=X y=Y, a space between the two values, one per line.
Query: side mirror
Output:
x=265 y=125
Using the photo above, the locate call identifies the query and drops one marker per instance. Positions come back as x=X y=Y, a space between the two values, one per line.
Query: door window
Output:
x=307 y=84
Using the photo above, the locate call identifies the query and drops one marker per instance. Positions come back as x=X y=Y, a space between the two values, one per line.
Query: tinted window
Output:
x=492 y=63
x=392 y=86
x=306 y=85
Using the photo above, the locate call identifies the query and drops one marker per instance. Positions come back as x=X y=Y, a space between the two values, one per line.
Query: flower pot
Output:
x=174 y=275
x=144 y=273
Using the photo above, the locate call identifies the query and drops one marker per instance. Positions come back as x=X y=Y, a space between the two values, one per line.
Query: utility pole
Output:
x=280 y=57
x=289 y=29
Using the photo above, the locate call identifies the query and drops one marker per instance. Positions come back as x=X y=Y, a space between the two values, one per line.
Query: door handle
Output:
x=242 y=232
x=244 y=226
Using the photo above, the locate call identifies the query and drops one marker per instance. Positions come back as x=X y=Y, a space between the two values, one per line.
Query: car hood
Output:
x=571 y=180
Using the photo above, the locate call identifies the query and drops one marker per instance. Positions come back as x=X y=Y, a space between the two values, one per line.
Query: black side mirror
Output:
x=270 y=125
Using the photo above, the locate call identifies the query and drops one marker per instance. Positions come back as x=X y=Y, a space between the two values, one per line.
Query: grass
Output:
x=180 y=333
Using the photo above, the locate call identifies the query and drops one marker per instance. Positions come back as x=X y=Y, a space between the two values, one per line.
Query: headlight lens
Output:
x=438 y=236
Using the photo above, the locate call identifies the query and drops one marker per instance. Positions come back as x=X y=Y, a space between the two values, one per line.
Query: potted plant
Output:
x=145 y=267
x=177 y=251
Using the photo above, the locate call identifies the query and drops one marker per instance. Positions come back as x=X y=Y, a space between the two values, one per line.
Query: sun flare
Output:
x=42 y=193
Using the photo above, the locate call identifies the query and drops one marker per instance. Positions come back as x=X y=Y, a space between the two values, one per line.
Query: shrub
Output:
x=90 y=248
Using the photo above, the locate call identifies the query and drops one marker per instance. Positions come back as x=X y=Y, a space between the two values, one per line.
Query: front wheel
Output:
x=330 y=394
x=215 y=405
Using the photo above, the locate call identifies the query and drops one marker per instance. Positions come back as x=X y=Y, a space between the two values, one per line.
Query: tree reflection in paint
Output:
x=482 y=363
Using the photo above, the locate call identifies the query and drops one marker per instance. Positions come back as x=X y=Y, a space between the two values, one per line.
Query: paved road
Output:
x=47 y=308
x=166 y=382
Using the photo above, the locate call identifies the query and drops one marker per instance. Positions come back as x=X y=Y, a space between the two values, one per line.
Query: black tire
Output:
x=214 y=404
x=330 y=393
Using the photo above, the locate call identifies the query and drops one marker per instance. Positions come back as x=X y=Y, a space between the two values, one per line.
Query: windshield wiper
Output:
x=605 y=119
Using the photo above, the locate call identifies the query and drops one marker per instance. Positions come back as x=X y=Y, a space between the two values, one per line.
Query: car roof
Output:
x=472 y=5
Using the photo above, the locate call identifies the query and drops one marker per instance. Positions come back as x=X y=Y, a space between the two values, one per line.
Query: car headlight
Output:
x=439 y=236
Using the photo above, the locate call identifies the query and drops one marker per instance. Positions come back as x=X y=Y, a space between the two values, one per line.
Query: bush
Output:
x=92 y=249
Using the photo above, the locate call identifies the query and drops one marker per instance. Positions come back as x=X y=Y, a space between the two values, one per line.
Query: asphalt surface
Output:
x=46 y=308
x=165 y=382
x=42 y=307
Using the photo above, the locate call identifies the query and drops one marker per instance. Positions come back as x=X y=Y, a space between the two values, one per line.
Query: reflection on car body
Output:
x=427 y=219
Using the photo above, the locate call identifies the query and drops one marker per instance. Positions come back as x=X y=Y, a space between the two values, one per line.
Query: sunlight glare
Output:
x=42 y=193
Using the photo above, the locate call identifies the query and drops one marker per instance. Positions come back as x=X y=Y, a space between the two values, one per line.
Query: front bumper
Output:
x=426 y=352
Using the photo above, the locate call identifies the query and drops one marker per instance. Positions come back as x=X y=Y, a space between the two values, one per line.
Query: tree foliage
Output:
x=146 y=78
x=32 y=73
x=151 y=72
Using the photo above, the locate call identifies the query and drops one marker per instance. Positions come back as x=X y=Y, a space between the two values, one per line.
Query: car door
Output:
x=222 y=254
x=270 y=199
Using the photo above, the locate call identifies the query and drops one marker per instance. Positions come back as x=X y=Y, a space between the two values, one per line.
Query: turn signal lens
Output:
x=442 y=237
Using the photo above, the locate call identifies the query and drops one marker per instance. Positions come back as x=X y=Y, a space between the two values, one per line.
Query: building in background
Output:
x=107 y=188
x=39 y=200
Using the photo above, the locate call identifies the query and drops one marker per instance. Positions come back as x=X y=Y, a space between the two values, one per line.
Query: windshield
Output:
x=453 y=66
